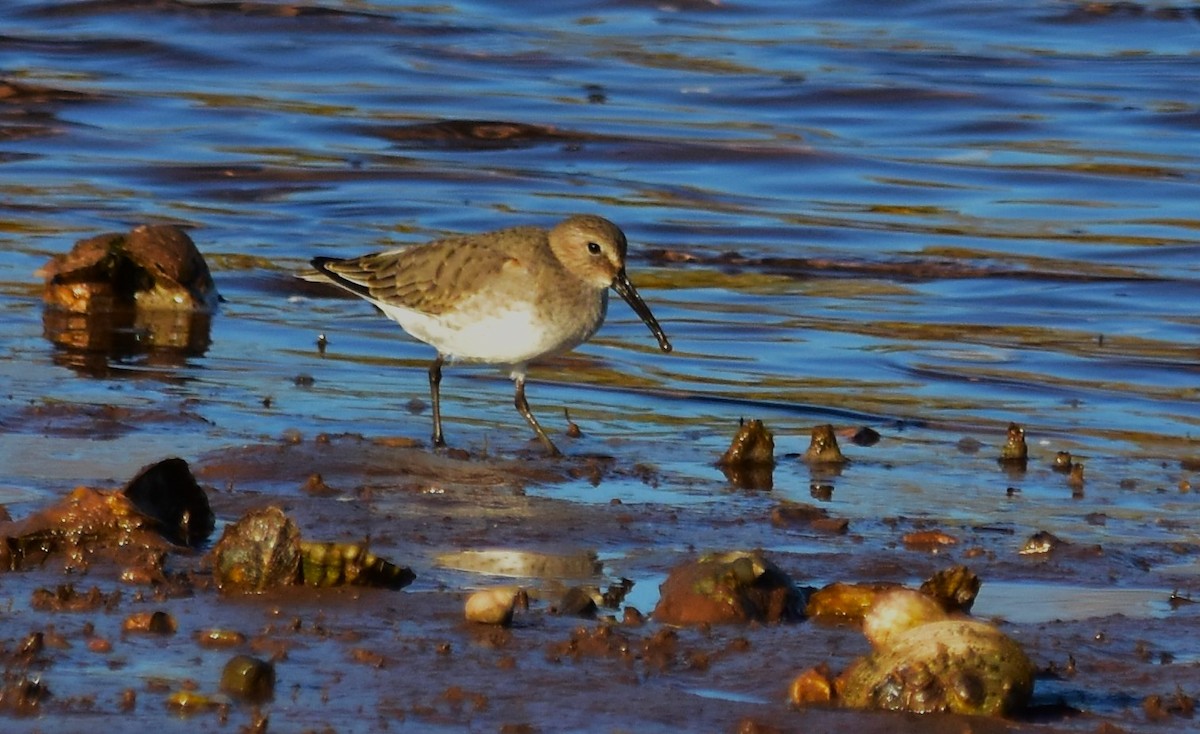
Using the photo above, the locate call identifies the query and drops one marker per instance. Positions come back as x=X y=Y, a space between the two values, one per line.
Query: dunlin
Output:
x=508 y=297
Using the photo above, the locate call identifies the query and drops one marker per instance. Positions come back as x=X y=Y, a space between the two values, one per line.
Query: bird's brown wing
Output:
x=429 y=278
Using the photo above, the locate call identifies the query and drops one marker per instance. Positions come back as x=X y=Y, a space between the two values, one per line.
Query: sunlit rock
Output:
x=735 y=587
x=115 y=296
x=926 y=661
x=749 y=462
x=823 y=447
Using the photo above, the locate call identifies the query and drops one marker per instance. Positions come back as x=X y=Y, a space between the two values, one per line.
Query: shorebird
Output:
x=508 y=297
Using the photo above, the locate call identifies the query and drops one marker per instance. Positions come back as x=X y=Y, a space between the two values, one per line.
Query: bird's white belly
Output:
x=509 y=335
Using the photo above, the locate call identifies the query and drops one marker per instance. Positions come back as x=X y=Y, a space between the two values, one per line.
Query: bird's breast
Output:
x=507 y=331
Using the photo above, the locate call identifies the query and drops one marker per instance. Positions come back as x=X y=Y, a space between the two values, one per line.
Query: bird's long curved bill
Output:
x=626 y=290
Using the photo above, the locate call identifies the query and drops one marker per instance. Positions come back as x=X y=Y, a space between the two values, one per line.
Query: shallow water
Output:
x=945 y=213
x=930 y=218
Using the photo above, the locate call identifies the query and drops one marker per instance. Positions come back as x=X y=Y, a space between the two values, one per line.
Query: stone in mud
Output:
x=1041 y=543
x=736 y=587
x=749 y=462
x=22 y=695
x=937 y=663
x=928 y=540
x=953 y=589
x=813 y=686
x=823 y=447
x=154 y=623
x=248 y=678
x=168 y=493
x=264 y=550
x=577 y=601
x=258 y=552
x=136 y=526
x=84 y=522
x=496 y=605
x=800 y=515
x=190 y=702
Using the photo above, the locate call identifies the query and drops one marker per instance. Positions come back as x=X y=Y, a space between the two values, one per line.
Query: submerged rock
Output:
x=749 y=462
x=736 y=587
x=823 y=447
x=1014 y=453
x=118 y=295
x=153 y=267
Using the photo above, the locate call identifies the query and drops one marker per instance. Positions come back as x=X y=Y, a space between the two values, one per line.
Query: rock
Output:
x=737 y=587
x=577 y=602
x=841 y=603
x=167 y=492
x=264 y=550
x=85 y=521
x=155 y=623
x=495 y=606
x=1014 y=453
x=896 y=612
x=258 y=552
x=117 y=295
x=959 y=666
x=953 y=589
x=248 y=678
x=801 y=515
x=154 y=267
x=823 y=447
x=749 y=462
x=815 y=685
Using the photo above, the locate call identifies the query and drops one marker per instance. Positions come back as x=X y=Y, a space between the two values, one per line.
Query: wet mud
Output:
x=171 y=647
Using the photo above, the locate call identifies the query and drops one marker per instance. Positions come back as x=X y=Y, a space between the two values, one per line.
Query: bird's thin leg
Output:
x=435 y=381
x=523 y=409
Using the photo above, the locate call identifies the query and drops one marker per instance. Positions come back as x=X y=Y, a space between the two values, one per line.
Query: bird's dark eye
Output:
x=593 y=248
